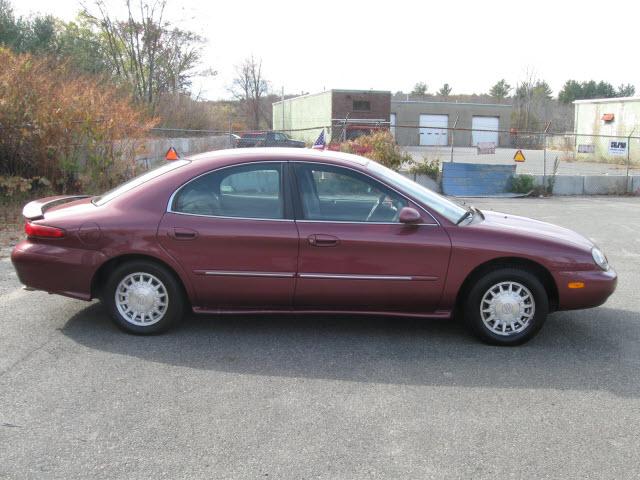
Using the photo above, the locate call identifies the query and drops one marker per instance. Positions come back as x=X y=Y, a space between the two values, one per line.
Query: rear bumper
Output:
x=598 y=287
x=56 y=269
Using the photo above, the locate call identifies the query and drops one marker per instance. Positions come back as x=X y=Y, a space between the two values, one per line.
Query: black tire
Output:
x=521 y=333
x=174 y=297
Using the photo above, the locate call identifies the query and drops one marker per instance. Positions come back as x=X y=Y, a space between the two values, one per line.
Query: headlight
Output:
x=599 y=258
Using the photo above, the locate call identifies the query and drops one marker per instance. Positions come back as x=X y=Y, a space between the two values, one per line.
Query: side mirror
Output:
x=409 y=215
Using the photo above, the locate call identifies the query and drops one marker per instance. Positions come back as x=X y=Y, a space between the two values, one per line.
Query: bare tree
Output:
x=249 y=87
x=145 y=50
x=532 y=95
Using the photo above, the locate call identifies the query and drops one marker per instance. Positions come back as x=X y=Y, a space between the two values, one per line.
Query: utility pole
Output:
x=453 y=135
x=283 y=108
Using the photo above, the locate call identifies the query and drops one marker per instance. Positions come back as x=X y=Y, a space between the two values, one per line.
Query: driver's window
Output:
x=338 y=194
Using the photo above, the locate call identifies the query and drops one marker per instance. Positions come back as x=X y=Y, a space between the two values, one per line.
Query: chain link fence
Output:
x=567 y=160
x=546 y=155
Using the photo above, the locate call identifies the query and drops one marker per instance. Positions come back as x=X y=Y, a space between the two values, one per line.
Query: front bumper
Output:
x=56 y=269
x=598 y=287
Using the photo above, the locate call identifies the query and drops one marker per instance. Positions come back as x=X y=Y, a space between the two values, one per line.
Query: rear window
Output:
x=137 y=181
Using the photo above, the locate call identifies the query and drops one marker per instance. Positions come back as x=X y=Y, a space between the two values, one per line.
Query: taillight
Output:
x=42 y=231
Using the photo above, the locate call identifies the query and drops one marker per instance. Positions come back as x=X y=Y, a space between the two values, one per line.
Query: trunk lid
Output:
x=36 y=209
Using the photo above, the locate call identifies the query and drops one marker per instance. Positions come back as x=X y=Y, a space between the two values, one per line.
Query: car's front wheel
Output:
x=507 y=306
x=143 y=297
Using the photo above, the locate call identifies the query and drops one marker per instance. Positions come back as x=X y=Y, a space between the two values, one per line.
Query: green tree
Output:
x=605 y=90
x=445 y=91
x=574 y=90
x=79 y=43
x=627 y=90
x=420 y=89
x=543 y=90
x=8 y=26
x=501 y=89
x=34 y=35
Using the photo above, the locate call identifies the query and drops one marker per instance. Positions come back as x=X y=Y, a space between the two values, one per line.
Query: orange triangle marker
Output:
x=519 y=156
x=171 y=154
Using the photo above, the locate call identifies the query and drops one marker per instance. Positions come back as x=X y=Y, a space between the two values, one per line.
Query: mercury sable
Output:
x=304 y=231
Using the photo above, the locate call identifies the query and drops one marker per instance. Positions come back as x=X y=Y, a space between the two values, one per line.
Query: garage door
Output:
x=433 y=129
x=485 y=123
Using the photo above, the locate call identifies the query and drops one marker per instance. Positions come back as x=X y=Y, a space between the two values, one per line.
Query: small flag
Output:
x=320 y=144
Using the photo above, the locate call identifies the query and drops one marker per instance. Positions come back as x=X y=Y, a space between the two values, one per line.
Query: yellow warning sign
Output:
x=519 y=156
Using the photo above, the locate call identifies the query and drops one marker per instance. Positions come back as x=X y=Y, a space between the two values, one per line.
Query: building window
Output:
x=361 y=106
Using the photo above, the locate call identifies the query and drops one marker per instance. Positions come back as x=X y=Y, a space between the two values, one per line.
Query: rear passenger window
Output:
x=247 y=191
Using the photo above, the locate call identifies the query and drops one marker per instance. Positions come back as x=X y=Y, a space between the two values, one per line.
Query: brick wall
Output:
x=342 y=104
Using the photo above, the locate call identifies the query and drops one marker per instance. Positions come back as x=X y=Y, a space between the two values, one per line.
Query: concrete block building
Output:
x=614 y=118
x=418 y=122
x=302 y=116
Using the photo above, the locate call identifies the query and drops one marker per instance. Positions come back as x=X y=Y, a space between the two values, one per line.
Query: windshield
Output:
x=445 y=207
x=137 y=181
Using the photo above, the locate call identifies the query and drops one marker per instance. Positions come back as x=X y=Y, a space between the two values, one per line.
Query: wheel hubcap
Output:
x=507 y=308
x=141 y=299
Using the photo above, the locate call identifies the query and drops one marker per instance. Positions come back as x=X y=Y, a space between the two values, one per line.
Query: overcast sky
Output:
x=326 y=44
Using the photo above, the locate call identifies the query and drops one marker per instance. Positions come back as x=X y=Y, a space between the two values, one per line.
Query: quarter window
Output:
x=248 y=191
x=337 y=194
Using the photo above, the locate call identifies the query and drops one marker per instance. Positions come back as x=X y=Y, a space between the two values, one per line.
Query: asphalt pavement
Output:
x=328 y=398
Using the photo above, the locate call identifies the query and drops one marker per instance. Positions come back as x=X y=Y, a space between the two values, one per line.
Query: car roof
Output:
x=238 y=155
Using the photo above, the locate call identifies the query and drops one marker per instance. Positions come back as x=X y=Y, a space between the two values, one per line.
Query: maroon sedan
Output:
x=303 y=231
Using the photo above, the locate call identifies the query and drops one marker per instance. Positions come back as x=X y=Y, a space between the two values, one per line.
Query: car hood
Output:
x=528 y=227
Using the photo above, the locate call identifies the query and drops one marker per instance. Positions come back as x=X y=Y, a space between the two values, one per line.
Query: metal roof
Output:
x=332 y=91
x=608 y=100
x=425 y=102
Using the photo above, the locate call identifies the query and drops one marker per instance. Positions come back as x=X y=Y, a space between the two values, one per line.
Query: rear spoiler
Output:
x=35 y=210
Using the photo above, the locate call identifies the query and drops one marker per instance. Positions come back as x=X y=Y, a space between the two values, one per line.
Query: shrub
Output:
x=379 y=146
x=522 y=183
x=77 y=131
x=428 y=167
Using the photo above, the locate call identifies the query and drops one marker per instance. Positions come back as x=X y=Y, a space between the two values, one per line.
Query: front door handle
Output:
x=183 y=233
x=322 y=240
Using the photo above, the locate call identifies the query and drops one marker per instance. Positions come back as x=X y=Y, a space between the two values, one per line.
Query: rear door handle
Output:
x=183 y=234
x=322 y=240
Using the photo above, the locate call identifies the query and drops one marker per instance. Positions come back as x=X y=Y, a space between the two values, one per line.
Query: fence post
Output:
x=453 y=135
x=629 y=187
x=544 y=155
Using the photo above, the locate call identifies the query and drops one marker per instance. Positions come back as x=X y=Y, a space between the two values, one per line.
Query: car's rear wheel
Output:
x=507 y=306
x=143 y=297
